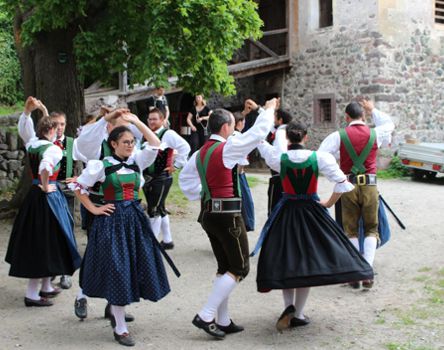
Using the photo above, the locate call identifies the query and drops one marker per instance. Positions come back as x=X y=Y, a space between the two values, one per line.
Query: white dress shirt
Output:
x=326 y=164
x=235 y=150
x=90 y=140
x=172 y=139
x=95 y=170
x=27 y=132
x=384 y=127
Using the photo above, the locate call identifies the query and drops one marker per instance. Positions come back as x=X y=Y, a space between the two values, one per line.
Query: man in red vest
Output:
x=357 y=146
x=215 y=164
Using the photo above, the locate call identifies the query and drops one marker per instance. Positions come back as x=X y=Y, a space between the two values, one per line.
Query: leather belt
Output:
x=362 y=179
x=224 y=205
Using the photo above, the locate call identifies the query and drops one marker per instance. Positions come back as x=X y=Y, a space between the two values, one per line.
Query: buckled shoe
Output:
x=231 y=328
x=209 y=327
x=284 y=320
x=81 y=308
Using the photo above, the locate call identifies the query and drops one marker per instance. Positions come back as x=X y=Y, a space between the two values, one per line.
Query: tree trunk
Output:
x=50 y=73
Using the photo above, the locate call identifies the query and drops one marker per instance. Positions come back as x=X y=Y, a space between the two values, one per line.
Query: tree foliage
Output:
x=10 y=81
x=152 y=39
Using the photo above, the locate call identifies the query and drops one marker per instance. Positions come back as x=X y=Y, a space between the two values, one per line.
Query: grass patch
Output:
x=425 y=269
x=8 y=110
x=406 y=346
x=253 y=181
x=421 y=278
x=176 y=202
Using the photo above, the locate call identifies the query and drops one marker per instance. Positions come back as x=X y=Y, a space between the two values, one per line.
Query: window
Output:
x=439 y=11
x=326 y=13
x=324 y=109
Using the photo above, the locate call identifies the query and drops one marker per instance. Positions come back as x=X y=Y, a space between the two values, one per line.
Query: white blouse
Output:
x=90 y=139
x=51 y=157
x=95 y=170
x=326 y=163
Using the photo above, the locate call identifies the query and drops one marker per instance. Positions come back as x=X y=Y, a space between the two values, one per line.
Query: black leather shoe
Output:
x=367 y=284
x=65 y=282
x=284 y=320
x=108 y=315
x=124 y=339
x=355 y=285
x=52 y=294
x=40 y=302
x=167 y=246
x=81 y=308
x=231 y=328
x=210 y=327
x=298 y=322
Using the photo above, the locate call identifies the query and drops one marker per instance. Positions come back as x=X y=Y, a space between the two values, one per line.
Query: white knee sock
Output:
x=119 y=315
x=32 y=292
x=288 y=295
x=222 y=287
x=223 y=318
x=165 y=228
x=155 y=225
x=46 y=284
x=301 y=299
x=370 y=249
x=355 y=242
x=80 y=294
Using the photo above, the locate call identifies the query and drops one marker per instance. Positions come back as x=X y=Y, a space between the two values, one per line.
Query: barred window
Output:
x=439 y=11
x=324 y=107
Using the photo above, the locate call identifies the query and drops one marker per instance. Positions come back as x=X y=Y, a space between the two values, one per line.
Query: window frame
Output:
x=317 y=114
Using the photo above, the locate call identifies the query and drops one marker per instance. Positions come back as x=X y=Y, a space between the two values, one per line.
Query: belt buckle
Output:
x=216 y=205
x=360 y=180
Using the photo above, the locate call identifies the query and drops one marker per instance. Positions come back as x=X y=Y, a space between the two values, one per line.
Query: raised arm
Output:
x=384 y=125
x=178 y=143
x=90 y=139
x=25 y=124
x=237 y=148
x=271 y=155
x=149 y=136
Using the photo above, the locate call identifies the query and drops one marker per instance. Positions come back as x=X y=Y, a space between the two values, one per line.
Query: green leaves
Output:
x=10 y=79
x=192 y=40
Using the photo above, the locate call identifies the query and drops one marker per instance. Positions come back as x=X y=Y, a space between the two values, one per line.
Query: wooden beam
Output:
x=246 y=69
x=275 y=31
x=264 y=48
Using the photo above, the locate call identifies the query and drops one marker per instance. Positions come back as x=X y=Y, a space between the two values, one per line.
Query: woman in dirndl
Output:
x=301 y=245
x=122 y=261
x=42 y=242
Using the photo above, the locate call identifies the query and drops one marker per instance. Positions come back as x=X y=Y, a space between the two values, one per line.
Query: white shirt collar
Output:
x=357 y=122
x=217 y=137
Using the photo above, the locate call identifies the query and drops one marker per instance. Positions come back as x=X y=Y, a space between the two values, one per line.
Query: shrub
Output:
x=395 y=170
x=11 y=90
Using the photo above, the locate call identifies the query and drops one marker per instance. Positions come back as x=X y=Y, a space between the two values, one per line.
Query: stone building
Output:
x=389 y=50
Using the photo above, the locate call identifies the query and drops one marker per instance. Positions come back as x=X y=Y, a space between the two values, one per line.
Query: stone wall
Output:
x=386 y=51
x=12 y=155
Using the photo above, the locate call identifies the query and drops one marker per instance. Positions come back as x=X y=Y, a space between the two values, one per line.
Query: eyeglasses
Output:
x=129 y=142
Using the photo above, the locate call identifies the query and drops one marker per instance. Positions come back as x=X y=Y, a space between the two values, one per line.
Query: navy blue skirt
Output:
x=247 y=203
x=304 y=247
x=122 y=263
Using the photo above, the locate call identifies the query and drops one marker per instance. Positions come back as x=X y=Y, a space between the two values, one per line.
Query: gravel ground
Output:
x=404 y=310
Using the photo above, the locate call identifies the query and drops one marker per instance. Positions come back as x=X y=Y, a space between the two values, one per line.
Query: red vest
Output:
x=219 y=178
x=359 y=135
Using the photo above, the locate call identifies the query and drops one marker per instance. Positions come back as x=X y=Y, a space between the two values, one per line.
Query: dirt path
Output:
x=404 y=310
